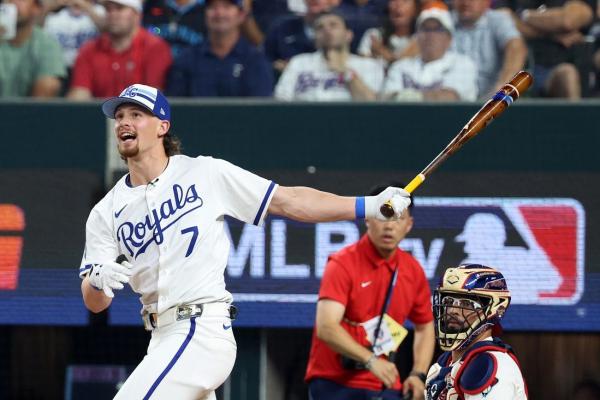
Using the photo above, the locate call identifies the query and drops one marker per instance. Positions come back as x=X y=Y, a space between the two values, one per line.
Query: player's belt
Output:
x=187 y=311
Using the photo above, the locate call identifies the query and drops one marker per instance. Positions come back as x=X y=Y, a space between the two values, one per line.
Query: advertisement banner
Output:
x=539 y=235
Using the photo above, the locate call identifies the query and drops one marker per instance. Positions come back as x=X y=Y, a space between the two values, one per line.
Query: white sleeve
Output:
x=100 y=244
x=287 y=81
x=393 y=82
x=462 y=78
x=504 y=28
x=364 y=47
x=240 y=193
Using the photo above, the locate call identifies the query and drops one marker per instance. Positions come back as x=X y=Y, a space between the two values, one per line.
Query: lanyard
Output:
x=386 y=303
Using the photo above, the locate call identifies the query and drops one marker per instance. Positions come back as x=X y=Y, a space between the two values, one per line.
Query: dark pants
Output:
x=323 y=389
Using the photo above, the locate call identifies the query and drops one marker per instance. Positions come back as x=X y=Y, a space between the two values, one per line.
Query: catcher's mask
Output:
x=468 y=300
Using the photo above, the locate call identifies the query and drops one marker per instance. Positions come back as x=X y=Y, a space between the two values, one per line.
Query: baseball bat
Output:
x=509 y=93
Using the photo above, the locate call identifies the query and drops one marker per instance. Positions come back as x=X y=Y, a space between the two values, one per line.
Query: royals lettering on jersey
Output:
x=133 y=235
x=173 y=231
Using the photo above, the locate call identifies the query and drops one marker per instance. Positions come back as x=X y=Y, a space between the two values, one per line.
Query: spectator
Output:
x=553 y=32
x=395 y=39
x=437 y=73
x=225 y=64
x=331 y=73
x=359 y=281
x=361 y=15
x=31 y=63
x=73 y=22
x=491 y=39
x=124 y=54
x=179 y=22
x=294 y=34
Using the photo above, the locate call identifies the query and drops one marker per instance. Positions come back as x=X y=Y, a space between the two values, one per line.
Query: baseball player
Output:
x=166 y=219
x=467 y=305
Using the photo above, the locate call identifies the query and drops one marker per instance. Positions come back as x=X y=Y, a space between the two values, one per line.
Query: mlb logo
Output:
x=537 y=244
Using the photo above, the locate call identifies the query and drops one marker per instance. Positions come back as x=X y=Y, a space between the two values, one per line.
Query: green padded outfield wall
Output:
x=52 y=134
x=530 y=136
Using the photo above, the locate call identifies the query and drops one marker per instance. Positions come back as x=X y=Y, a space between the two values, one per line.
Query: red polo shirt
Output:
x=358 y=277
x=105 y=72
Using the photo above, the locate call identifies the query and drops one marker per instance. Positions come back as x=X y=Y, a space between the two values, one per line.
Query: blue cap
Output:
x=146 y=96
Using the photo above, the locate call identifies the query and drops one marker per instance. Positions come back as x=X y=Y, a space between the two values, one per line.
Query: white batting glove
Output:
x=370 y=206
x=110 y=275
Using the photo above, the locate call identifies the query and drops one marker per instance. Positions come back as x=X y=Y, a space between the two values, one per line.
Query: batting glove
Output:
x=369 y=206
x=110 y=275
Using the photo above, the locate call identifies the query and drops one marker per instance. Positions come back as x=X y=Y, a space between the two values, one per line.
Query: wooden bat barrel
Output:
x=509 y=93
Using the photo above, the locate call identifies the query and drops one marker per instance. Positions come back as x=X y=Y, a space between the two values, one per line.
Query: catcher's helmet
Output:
x=469 y=299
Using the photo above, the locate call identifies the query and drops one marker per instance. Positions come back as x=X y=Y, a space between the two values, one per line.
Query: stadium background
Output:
x=56 y=161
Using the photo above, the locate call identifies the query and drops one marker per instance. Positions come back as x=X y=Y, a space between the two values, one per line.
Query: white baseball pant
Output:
x=187 y=359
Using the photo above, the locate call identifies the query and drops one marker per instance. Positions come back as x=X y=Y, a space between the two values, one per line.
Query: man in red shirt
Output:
x=123 y=55
x=343 y=362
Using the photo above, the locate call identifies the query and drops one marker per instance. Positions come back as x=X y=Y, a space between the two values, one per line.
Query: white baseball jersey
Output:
x=452 y=71
x=172 y=229
x=307 y=77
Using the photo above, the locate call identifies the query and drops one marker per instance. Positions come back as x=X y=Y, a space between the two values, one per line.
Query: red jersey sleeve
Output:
x=83 y=68
x=158 y=61
x=336 y=282
x=421 y=312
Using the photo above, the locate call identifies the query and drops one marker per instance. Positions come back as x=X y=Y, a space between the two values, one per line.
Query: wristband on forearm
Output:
x=359 y=207
x=346 y=76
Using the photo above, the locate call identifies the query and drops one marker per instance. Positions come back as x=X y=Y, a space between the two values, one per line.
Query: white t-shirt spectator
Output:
x=307 y=77
x=71 y=30
x=397 y=43
x=452 y=71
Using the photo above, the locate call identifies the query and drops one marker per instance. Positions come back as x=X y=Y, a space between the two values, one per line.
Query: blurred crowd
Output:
x=313 y=50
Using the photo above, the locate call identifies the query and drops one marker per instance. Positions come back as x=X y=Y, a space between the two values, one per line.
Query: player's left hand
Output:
x=399 y=199
x=416 y=386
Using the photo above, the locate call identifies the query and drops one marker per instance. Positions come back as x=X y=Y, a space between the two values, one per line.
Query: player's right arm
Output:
x=95 y=300
x=99 y=272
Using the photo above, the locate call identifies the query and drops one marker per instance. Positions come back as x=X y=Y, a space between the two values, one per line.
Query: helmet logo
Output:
x=452 y=279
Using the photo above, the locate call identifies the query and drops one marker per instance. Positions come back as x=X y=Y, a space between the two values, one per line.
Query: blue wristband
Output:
x=360 y=208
